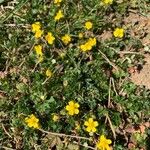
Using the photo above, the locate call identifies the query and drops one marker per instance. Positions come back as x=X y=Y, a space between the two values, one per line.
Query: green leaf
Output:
x=1 y=1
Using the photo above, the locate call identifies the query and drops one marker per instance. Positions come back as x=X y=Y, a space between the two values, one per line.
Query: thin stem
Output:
x=109 y=91
x=113 y=84
x=111 y=126
x=128 y=52
x=7 y=148
x=64 y=135
x=6 y=131
x=105 y=57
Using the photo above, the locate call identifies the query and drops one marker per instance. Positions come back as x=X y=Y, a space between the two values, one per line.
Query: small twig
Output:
x=45 y=81
x=105 y=57
x=17 y=25
x=6 y=131
x=7 y=148
x=9 y=7
x=109 y=92
x=64 y=135
x=111 y=126
x=128 y=52
x=35 y=67
x=113 y=84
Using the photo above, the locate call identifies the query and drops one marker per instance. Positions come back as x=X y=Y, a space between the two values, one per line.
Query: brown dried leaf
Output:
x=130 y=129
x=142 y=128
x=105 y=35
x=3 y=74
x=131 y=146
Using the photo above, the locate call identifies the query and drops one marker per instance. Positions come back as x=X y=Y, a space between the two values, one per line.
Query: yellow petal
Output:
x=90 y=120
x=109 y=141
x=26 y=119
x=77 y=105
x=95 y=123
x=71 y=113
x=71 y=103
x=93 y=129
x=86 y=123
x=88 y=129
x=67 y=107
x=36 y=125
x=30 y=125
x=107 y=147
x=102 y=137
x=76 y=111
x=38 y=33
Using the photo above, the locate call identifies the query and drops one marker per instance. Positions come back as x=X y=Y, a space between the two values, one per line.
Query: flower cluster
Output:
x=72 y=108
x=36 y=28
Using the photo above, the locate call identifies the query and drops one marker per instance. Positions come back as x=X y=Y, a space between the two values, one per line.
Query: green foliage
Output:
x=80 y=76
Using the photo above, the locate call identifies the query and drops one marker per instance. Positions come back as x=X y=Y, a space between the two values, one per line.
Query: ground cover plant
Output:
x=65 y=74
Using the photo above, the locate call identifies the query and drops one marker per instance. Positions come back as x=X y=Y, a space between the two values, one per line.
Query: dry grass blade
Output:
x=65 y=135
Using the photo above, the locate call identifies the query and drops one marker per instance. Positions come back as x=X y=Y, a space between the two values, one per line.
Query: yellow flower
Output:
x=107 y=2
x=92 y=41
x=38 y=33
x=119 y=32
x=32 y=121
x=57 y=2
x=48 y=73
x=59 y=15
x=72 y=108
x=36 y=26
x=66 y=39
x=80 y=35
x=91 y=125
x=50 y=38
x=88 y=45
x=38 y=50
x=55 y=117
x=103 y=143
x=88 y=25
